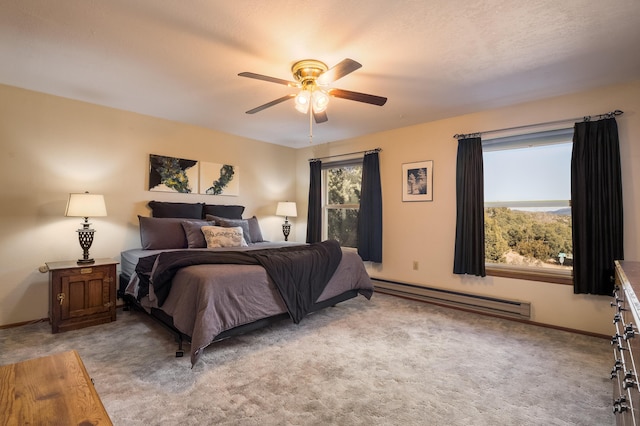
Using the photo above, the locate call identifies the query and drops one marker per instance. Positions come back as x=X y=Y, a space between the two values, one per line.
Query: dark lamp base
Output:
x=286 y=229
x=85 y=236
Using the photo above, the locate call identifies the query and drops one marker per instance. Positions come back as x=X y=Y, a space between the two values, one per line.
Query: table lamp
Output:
x=85 y=205
x=286 y=209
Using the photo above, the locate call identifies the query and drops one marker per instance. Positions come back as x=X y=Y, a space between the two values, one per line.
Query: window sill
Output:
x=353 y=249
x=564 y=277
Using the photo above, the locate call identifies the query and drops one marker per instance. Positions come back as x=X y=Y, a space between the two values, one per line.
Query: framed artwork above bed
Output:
x=219 y=179
x=417 y=181
x=171 y=174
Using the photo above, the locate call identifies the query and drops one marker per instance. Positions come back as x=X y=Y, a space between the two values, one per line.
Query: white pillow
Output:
x=218 y=236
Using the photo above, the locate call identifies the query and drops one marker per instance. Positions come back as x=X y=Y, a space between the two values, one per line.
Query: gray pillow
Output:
x=231 y=223
x=193 y=232
x=254 y=230
x=158 y=233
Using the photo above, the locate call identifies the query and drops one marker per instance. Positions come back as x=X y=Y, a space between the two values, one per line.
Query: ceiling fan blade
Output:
x=270 y=104
x=359 y=97
x=346 y=66
x=269 y=79
x=320 y=117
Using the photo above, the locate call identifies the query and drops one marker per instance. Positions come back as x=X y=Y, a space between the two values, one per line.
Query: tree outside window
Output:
x=527 y=194
x=342 y=203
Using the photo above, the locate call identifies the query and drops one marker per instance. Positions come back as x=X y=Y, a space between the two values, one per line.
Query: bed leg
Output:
x=180 y=351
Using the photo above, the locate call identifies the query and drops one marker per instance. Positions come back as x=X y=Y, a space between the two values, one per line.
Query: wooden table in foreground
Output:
x=53 y=390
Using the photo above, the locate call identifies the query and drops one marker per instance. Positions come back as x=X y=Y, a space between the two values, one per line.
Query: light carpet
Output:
x=388 y=361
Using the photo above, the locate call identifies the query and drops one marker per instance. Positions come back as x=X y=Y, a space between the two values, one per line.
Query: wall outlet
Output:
x=415 y=265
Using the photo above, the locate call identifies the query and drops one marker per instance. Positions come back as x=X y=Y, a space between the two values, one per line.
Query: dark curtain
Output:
x=596 y=212
x=469 y=249
x=314 y=215
x=370 y=217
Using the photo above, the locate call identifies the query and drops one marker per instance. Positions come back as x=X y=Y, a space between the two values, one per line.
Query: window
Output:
x=527 y=214
x=341 y=201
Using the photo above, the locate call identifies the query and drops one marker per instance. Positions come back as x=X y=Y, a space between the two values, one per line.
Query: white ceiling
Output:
x=432 y=59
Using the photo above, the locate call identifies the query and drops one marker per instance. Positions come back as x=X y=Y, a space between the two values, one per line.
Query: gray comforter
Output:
x=299 y=272
x=206 y=300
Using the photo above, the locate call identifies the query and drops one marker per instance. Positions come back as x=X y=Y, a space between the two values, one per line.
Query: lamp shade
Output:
x=303 y=100
x=86 y=205
x=320 y=100
x=286 y=208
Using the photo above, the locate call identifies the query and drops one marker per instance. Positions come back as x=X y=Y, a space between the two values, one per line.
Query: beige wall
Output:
x=425 y=231
x=50 y=146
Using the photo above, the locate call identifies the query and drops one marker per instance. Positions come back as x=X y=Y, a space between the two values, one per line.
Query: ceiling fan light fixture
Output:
x=319 y=100
x=303 y=100
x=313 y=78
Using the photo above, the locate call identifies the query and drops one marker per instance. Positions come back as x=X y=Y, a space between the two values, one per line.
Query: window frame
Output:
x=325 y=206
x=552 y=137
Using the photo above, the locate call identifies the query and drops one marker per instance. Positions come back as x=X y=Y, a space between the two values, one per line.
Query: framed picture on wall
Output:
x=219 y=179
x=172 y=174
x=417 y=181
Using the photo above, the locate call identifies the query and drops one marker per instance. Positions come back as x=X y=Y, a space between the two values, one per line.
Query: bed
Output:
x=205 y=290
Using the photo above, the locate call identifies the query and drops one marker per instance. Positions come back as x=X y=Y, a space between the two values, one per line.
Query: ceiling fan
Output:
x=313 y=77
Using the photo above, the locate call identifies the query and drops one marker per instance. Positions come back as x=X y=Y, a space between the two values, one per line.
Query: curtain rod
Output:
x=343 y=155
x=610 y=114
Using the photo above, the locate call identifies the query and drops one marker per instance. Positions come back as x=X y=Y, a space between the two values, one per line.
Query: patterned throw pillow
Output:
x=219 y=236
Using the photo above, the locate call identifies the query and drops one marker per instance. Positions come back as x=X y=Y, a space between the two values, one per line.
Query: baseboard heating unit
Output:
x=472 y=302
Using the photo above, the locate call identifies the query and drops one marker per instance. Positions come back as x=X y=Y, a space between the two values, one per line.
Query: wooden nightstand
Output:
x=81 y=295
